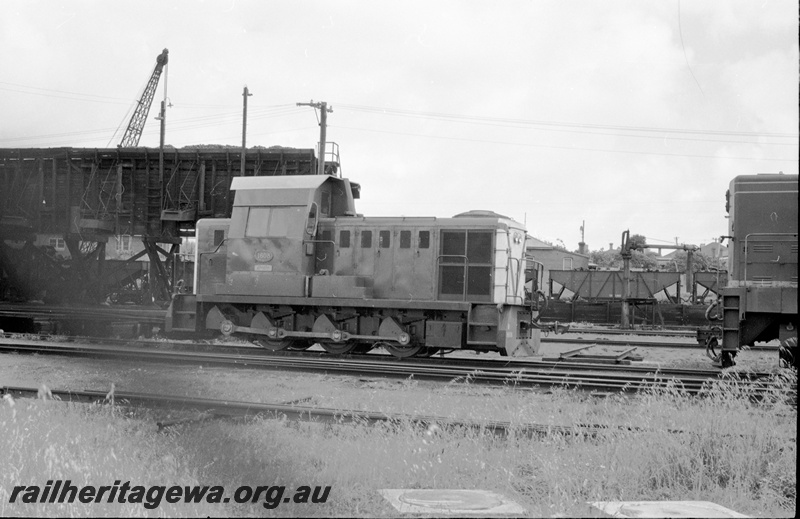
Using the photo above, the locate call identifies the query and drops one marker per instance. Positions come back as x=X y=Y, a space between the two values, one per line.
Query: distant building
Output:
x=713 y=250
x=53 y=245
x=555 y=258
x=716 y=250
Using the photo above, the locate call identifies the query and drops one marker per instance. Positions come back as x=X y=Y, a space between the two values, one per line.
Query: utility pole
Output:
x=245 y=95
x=625 y=252
x=323 y=124
x=162 y=117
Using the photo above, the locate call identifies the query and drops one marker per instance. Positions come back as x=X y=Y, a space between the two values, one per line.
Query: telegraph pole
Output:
x=245 y=95
x=323 y=124
x=162 y=117
x=625 y=252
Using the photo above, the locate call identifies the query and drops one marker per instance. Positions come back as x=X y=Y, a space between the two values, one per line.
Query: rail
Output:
x=522 y=374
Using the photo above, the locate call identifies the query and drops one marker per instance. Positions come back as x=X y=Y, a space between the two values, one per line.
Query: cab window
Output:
x=366 y=239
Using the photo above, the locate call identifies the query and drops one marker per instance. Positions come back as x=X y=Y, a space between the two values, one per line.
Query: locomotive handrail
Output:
x=510 y=273
x=332 y=150
x=515 y=278
x=200 y=253
x=747 y=249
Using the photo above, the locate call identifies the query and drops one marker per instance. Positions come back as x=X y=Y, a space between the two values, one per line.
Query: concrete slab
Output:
x=656 y=509
x=453 y=502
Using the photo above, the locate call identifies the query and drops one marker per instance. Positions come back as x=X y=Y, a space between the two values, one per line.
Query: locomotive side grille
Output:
x=762 y=247
x=762 y=280
x=793 y=249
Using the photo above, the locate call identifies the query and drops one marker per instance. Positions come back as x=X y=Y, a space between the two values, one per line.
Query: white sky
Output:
x=626 y=114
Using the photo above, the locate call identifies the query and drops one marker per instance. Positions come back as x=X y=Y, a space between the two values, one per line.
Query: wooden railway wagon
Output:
x=759 y=302
x=295 y=265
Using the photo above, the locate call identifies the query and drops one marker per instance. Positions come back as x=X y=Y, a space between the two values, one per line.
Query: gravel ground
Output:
x=456 y=400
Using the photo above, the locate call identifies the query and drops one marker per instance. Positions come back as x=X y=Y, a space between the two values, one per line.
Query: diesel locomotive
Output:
x=295 y=265
x=759 y=303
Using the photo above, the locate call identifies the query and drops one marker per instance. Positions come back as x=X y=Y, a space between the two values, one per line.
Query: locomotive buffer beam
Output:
x=324 y=329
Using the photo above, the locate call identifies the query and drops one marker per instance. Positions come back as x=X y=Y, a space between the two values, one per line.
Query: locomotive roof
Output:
x=292 y=190
x=456 y=221
x=764 y=178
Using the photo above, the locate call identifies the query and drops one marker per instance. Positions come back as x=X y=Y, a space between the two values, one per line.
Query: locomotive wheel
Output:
x=273 y=344
x=338 y=348
x=402 y=351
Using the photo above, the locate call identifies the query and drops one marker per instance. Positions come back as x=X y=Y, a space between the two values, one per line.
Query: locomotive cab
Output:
x=271 y=242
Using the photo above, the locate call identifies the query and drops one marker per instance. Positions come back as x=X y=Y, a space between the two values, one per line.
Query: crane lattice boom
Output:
x=134 y=131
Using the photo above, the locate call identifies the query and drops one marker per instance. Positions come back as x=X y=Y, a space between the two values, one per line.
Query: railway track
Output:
x=640 y=344
x=574 y=363
x=570 y=339
x=202 y=409
x=514 y=373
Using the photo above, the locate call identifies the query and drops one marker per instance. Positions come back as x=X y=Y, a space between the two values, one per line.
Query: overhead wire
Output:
x=80 y=97
x=570 y=148
x=176 y=125
x=533 y=122
x=281 y=110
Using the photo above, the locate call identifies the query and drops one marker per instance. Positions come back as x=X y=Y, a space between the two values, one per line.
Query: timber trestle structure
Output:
x=84 y=196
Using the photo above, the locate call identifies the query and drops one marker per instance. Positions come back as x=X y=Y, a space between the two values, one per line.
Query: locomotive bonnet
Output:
x=296 y=265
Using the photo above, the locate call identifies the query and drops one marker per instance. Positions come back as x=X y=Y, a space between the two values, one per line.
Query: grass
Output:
x=89 y=445
x=722 y=447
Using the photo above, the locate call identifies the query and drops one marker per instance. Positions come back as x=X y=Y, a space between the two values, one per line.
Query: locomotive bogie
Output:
x=480 y=328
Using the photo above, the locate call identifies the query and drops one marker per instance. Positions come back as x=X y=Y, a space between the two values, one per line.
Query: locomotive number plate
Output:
x=263 y=268
x=263 y=255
